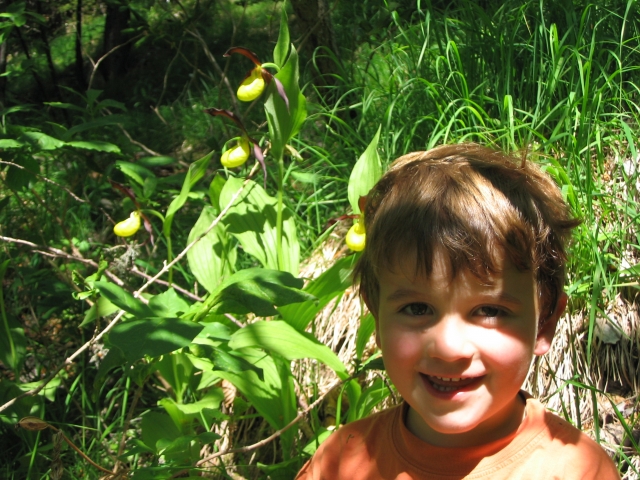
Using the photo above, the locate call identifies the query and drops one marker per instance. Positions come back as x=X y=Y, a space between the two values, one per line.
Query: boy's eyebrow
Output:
x=401 y=294
x=502 y=296
x=507 y=297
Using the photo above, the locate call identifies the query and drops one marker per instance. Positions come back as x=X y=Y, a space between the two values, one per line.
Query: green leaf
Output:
x=283 y=123
x=7 y=143
x=215 y=189
x=98 y=123
x=178 y=370
x=134 y=171
x=212 y=258
x=321 y=435
x=152 y=337
x=216 y=331
x=68 y=106
x=265 y=396
x=13 y=342
x=367 y=327
x=223 y=360
x=101 y=308
x=149 y=187
x=633 y=270
x=48 y=392
x=168 y=304
x=371 y=397
x=123 y=299
x=207 y=437
x=366 y=172
x=183 y=414
x=137 y=448
x=281 y=338
x=196 y=171
x=95 y=145
x=42 y=141
x=281 y=50
x=252 y=220
x=18 y=178
x=325 y=288
x=108 y=103
x=157 y=426
x=114 y=358
x=154 y=162
x=257 y=290
x=4 y=202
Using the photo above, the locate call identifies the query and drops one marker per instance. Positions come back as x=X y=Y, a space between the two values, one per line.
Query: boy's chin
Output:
x=466 y=427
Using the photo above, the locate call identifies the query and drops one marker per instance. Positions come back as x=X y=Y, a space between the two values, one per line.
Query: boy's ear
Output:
x=548 y=328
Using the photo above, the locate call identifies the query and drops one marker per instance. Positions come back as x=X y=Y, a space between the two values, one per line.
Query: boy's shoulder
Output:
x=380 y=446
x=563 y=450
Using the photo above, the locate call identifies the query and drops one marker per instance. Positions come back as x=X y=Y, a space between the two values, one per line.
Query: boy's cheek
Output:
x=397 y=346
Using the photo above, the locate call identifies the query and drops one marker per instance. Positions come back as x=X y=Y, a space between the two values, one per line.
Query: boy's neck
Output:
x=496 y=428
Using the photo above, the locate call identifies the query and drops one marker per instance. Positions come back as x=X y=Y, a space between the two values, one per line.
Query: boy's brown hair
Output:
x=469 y=202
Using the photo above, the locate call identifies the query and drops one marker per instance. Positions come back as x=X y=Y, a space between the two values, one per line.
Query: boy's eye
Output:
x=489 y=311
x=417 y=309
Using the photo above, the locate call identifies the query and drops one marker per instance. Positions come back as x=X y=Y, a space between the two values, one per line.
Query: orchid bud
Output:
x=236 y=156
x=356 y=237
x=252 y=86
x=128 y=227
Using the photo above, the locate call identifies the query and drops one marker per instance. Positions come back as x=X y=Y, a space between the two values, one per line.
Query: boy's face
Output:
x=458 y=351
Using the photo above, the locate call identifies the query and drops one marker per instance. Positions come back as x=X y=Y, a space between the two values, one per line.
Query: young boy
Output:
x=463 y=271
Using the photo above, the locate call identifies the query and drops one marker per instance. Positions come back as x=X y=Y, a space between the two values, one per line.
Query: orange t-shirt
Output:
x=544 y=447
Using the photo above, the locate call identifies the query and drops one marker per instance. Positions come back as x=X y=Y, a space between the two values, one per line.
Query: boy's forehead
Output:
x=408 y=266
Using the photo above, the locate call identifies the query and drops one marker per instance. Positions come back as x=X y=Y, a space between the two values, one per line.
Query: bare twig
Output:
x=57 y=253
x=216 y=66
x=42 y=177
x=184 y=291
x=165 y=81
x=141 y=145
x=270 y=438
x=136 y=294
x=102 y=58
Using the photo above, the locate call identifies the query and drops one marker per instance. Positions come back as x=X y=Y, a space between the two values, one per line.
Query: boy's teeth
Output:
x=444 y=388
x=444 y=379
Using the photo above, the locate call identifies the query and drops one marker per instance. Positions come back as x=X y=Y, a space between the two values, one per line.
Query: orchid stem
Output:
x=279 y=213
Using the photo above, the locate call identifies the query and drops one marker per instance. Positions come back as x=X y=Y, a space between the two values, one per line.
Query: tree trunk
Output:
x=314 y=20
x=79 y=64
x=118 y=14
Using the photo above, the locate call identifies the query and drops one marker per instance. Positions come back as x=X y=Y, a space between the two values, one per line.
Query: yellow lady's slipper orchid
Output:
x=252 y=86
x=356 y=237
x=236 y=156
x=128 y=227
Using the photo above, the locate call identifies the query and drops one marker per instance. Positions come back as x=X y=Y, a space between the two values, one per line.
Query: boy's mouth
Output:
x=449 y=384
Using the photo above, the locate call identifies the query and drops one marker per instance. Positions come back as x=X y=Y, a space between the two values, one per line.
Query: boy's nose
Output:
x=450 y=339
